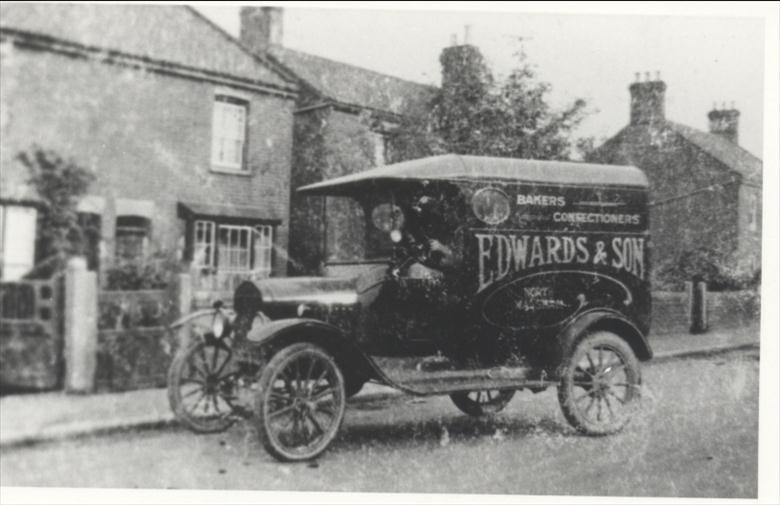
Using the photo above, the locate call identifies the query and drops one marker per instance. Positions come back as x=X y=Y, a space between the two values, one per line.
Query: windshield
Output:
x=358 y=229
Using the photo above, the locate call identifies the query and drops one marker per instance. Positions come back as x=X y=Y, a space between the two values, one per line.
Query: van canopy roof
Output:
x=456 y=167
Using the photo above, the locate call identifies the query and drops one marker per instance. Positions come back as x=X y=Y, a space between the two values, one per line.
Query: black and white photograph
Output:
x=364 y=252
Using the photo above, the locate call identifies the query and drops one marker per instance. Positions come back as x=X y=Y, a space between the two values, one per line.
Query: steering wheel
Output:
x=412 y=251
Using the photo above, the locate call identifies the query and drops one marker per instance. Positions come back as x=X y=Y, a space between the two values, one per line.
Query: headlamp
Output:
x=218 y=324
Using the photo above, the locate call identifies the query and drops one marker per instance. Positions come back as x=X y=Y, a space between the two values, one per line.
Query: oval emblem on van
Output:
x=548 y=299
x=491 y=206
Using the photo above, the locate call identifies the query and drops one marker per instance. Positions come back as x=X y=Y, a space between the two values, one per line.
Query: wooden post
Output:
x=183 y=295
x=183 y=306
x=697 y=306
x=81 y=308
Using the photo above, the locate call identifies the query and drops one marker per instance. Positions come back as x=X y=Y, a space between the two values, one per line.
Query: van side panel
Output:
x=538 y=255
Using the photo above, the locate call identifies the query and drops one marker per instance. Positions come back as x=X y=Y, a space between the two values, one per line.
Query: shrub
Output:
x=59 y=184
x=703 y=265
x=152 y=273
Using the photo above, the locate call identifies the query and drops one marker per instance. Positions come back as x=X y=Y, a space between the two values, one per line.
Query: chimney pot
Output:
x=725 y=122
x=467 y=34
x=453 y=40
x=261 y=27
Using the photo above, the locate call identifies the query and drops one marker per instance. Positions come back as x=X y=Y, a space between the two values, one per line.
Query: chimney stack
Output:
x=261 y=27
x=725 y=122
x=647 y=100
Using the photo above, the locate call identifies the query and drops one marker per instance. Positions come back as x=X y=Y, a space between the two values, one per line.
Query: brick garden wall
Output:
x=31 y=340
x=727 y=309
x=134 y=348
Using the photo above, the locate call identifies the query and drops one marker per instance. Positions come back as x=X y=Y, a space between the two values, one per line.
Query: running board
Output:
x=451 y=381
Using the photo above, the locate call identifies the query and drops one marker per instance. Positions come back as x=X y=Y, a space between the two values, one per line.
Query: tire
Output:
x=599 y=384
x=203 y=371
x=300 y=404
x=482 y=403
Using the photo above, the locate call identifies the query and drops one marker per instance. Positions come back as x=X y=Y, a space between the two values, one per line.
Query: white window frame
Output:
x=263 y=249
x=379 y=140
x=204 y=248
x=259 y=262
x=224 y=105
x=18 y=231
x=228 y=253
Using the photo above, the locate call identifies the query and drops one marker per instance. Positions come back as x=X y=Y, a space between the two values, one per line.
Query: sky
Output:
x=702 y=59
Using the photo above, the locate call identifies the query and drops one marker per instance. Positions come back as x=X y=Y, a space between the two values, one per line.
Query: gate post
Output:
x=183 y=295
x=81 y=307
x=697 y=306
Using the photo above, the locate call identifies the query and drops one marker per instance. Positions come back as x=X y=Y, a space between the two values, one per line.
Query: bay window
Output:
x=227 y=254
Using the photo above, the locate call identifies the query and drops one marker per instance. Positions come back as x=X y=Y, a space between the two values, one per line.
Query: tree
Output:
x=476 y=113
x=60 y=184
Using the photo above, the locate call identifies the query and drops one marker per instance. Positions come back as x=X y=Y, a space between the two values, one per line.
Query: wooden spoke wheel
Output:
x=301 y=402
x=482 y=403
x=202 y=386
x=600 y=384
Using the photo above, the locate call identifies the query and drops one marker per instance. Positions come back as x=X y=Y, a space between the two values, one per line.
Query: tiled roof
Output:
x=169 y=33
x=351 y=85
x=725 y=151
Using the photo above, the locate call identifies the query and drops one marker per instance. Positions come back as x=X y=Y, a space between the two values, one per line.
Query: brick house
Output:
x=705 y=188
x=189 y=136
x=342 y=119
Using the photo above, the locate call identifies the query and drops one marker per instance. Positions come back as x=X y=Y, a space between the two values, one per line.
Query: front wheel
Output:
x=600 y=384
x=482 y=403
x=202 y=386
x=301 y=402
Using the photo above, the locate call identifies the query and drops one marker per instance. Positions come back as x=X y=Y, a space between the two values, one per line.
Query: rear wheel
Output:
x=202 y=386
x=600 y=384
x=482 y=403
x=301 y=402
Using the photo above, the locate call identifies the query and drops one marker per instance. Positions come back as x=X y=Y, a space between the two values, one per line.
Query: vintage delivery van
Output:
x=500 y=275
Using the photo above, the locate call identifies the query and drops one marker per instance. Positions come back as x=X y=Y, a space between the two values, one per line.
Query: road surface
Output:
x=696 y=436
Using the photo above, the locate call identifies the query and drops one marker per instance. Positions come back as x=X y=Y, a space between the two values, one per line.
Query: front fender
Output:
x=266 y=333
x=603 y=319
x=355 y=364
